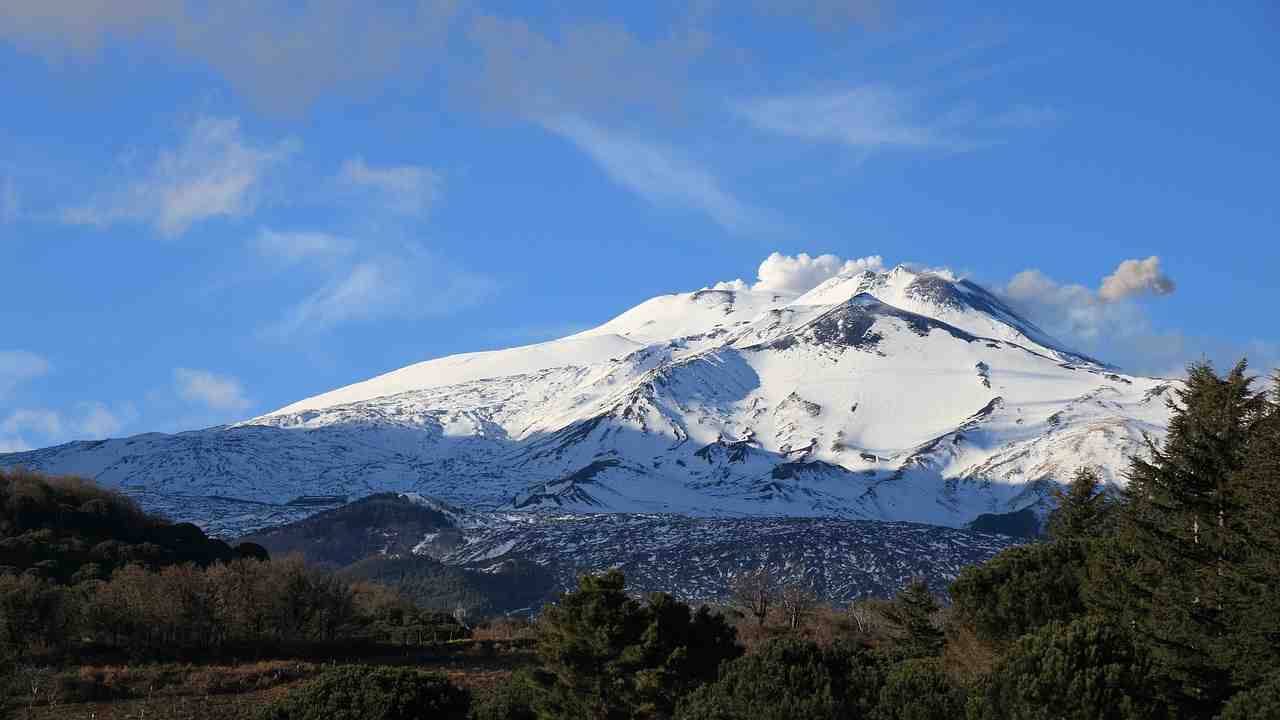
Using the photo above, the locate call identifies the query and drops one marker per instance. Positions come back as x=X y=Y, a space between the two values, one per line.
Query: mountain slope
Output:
x=903 y=395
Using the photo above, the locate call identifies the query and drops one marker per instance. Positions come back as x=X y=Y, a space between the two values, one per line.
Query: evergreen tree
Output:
x=1021 y=590
x=1082 y=509
x=919 y=690
x=608 y=656
x=1171 y=570
x=912 y=611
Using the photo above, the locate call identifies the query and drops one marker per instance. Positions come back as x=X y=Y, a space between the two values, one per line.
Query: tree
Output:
x=754 y=590
x=789 y=678
x=919 y=690
x=608 y=656
x=1087 y=670
x=1022 y=589
x=912 y=611
x=1082 y=509
x=798 y=600
x=1182 y=537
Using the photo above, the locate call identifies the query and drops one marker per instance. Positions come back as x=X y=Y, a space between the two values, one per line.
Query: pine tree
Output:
x=1082 y=510
x=1170 y=569
x=912 y=610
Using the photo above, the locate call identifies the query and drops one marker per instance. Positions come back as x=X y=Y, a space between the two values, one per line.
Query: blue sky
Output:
x=208 y=211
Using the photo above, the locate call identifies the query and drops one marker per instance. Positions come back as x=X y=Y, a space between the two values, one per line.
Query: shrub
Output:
x=787 y=679
x=1021 y=590
x=514 y=699
x=1088 y=670
x=1260 y=703
x=919 y=690
x=372 y=693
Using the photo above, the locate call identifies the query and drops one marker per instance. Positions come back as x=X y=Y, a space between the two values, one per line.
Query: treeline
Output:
x=84 y=572
x=68 y=530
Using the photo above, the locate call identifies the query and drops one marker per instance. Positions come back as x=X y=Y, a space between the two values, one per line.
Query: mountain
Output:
x=903 y=395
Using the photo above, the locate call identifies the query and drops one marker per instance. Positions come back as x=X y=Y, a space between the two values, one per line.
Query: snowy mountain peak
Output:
x=904 y=394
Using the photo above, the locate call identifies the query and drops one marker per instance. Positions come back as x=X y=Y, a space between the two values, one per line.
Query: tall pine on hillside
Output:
x=1182 y=539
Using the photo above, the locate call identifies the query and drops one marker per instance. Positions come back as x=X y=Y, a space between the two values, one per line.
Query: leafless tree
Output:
x=798 y=600
x=754 y=591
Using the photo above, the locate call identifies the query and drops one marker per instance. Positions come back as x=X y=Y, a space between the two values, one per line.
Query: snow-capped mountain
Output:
x=900 y=395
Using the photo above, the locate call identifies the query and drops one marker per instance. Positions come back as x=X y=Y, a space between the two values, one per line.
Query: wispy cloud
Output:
x=24 y=428
x=19 y=366
x=214 y=172
x=408 y=284
x=878 y=117
x=401 y=189
x=296 y=247
x=588 y=68
x=281 y=55
x=871 y=117
x=657 y=173
x=213 y=391
x=10 y=207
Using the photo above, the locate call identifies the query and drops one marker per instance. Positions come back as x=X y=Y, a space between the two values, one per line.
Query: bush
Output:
x=372 y=693
x=1021 y=590
x=1088 y=670
x=514 y=699
x=1260 y=703
x=787 y=679
x=607 y=655
x=919 y=690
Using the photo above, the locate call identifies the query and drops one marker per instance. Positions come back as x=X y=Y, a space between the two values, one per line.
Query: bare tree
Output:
x=754 y=590
x=798 y=600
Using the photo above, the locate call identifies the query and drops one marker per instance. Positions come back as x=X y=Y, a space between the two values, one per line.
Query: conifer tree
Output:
x=912 y=610
x=1082 y=509
x=1170 y=570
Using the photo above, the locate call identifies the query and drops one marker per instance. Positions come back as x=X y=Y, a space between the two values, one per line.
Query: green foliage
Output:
x=919 y=690
x=1260 y=703
x=513 y=699
x=1189 y=533
x=1021 y=590
x=372 y=693
x=1083 y=511
x=70 y=530
x=609 y=656
x=790 y=678
x=1088 y=670
x=913 y=612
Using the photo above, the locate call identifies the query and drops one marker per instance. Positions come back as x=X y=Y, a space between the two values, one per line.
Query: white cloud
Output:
x=216 y=392
x=1136 y=277
x=282 y=55
x=408 y=284
x=215 y=172
x=801 y=272
x=292 y=248
x=19 y=366
x=403 y=189
x=13 y=445
x=657 y=173
x=797 y=274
